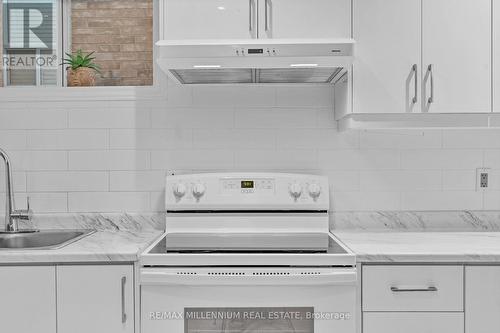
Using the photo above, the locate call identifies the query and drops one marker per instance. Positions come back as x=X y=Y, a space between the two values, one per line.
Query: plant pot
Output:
x=81 y=77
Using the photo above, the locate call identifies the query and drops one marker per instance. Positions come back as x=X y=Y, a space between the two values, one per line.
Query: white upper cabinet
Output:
x=28 y=299
x=496 y=56
x=95 y=299
x=482 y=295
x=457 y=46
x=304 y=18
x=209 y=19
x=387 y=64
x=422 y=56
x=243 y=19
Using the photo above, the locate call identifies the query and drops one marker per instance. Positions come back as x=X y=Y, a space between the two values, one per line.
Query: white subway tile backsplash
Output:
x=178 y=95
x=36 y=118
x=109 y=160
x=471 y=138
x=326 y=119
x=184 y=117
x=137 y=181
x=234 y=139
x=343 y=180
x=67 y=181
x=270 y=159
x=400 y=180
x=453 y=159
x=359 y=159
x=40 y=160
x=365 y=201
x=108 y=202
x=321 y=96
x=13 y=139
x=47 y=202
x=492 y=158
x=157 y=139
x=316 y=138
x=441 y=200
x=112 y=156
x=207 y=96
x=459 y=180
x=198 y=159
x=398 y=139
x=110 y=118
x=492 y=200
x=288 y=118
x=19 y=182
x=157 y=201
x=74 y=139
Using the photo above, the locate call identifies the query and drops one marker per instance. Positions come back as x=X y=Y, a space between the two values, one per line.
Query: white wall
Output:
x=112 y=156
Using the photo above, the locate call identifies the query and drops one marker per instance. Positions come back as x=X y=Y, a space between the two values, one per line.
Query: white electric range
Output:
x=247 y=253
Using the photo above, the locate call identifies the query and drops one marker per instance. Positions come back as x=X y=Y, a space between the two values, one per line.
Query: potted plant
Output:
x=81 y=69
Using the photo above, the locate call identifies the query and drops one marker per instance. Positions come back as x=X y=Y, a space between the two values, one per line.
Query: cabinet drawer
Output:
x=413 y=288
x=413 y=322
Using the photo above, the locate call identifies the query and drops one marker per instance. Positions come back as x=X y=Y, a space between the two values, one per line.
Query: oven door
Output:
x=248 y=300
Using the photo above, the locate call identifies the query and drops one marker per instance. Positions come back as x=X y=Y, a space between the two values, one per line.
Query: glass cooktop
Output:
x=192 y=243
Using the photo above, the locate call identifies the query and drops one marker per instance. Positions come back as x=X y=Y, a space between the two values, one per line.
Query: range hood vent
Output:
x=246 y=75
x=245 y=62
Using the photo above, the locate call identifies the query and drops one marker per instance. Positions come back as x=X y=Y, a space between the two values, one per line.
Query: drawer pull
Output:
x=409 y=290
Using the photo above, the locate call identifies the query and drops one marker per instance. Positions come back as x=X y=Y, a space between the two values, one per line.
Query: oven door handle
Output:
x=191 y=277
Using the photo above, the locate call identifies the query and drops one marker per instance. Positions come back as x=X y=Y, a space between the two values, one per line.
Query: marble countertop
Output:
x=423 y=247
x=101 y=246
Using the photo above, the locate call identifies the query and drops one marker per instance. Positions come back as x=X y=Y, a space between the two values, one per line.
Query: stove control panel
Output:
x=247 y=185
x=247 y=191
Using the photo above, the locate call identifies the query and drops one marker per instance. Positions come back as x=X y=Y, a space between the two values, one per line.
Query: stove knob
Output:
x=295 y=190
x=314 y=190
x=198 y=190
x=180 y=190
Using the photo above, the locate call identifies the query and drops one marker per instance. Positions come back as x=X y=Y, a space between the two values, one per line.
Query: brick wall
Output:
x=121 y=34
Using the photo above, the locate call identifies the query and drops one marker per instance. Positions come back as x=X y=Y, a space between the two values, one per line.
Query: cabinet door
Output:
x=304 y=18
x=27 y=299
x=413 y=322
x=209 y=19
x=457 y=44
x=386 y=71
x=95 y=299
x=482 y=296
x=496 y=56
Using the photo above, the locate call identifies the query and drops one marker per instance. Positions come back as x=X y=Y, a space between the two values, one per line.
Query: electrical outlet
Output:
x=482 y=179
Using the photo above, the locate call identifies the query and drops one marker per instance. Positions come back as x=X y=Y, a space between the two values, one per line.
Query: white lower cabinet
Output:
x=413 y=322
x=98 y=298
x=27 y=299
x=413 y=299
x=413 y=288
x=482 y=294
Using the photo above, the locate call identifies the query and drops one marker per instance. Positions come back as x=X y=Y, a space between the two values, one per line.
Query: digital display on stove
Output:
x=247 y=184
x=255 y=51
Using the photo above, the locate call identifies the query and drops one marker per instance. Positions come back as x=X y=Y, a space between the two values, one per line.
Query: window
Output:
x=37 y=33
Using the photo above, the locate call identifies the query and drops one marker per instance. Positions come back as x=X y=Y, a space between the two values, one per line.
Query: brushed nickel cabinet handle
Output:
x=266 y=18
x=250 y=15
x=407 y=290
x=124 y=315
x=415 y=72
x=431 y=98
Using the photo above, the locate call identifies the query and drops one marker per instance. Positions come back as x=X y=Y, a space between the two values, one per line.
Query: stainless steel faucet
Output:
x=12 y=216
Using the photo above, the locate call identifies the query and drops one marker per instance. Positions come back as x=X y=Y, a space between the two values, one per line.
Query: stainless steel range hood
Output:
x=273 y=61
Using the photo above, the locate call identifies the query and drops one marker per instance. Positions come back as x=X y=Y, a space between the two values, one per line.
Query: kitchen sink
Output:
x=41 y=240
